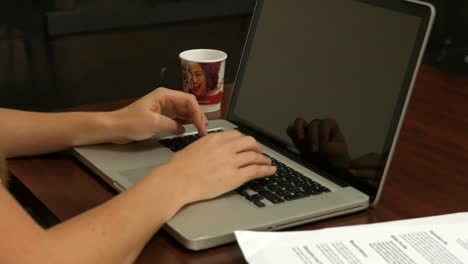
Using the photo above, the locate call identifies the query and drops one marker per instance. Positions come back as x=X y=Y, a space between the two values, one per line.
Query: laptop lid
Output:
x=326 y=83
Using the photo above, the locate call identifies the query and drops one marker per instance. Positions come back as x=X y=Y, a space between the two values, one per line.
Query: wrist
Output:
x=87 y=128
x=169 y=178
x=115 y=127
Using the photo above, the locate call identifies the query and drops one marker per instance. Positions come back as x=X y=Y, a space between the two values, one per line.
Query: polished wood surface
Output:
x=428 y=174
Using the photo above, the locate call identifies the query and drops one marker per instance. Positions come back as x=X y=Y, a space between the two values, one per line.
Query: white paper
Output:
x=441 y=239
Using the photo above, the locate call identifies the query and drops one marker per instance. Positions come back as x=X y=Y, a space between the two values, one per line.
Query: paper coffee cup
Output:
x=203 y=76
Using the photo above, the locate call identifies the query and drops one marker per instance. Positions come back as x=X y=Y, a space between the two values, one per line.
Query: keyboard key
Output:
x=179 y=143
x=285 y=185
x=258 y=203
x=295 y=196
x=271 y=196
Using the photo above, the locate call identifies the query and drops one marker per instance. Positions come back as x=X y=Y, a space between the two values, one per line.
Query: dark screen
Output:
x=329 y=80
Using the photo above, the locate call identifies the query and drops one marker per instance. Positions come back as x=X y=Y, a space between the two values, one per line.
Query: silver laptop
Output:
x=323 y=86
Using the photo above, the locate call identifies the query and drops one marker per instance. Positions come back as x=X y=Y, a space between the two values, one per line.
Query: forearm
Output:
x=117 y=231
x=29 y=133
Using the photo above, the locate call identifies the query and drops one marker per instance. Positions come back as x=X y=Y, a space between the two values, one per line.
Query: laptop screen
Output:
x=328 y=81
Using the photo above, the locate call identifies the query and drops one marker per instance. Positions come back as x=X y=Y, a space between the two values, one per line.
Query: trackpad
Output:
x=136 y=174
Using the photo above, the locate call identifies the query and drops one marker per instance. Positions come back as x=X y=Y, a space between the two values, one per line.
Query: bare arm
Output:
x=29 y=133
x=116 y=231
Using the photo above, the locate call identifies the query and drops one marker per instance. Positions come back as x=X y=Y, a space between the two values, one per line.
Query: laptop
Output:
x=323 y=86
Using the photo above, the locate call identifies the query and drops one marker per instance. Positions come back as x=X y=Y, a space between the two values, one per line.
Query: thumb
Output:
x=167 y=124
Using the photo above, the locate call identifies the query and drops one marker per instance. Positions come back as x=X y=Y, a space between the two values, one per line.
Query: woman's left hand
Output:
x=163 y=110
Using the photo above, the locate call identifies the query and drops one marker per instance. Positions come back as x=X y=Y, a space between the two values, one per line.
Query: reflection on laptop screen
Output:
x=330 y=80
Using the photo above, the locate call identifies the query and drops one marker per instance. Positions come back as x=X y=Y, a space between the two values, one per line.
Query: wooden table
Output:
x=428 y=175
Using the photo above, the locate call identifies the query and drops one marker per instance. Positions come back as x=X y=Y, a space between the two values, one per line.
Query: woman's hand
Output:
x=215 y=164
x=163 y=110
x=320 y=138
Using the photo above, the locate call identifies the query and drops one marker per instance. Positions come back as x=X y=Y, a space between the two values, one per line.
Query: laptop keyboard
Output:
x=285 y=185
x=178 y=143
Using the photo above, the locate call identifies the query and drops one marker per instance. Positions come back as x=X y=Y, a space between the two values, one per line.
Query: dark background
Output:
x=62 y=53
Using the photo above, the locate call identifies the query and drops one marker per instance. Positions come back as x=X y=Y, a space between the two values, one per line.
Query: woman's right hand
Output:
x=215 y=164
x=320 y=138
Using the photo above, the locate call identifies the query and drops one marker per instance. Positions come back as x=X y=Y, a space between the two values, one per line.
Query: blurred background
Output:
x=62 y=53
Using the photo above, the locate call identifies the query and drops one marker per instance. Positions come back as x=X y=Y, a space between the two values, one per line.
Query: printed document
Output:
x=432 y=240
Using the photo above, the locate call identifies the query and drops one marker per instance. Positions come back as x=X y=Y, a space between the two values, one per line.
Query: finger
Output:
x=291 y=132
x=250 y=158
x=325 y=132
x=245 y=143
x=172 y=102
x=198 y=116
x=300 y=126
x=184 y=106
x=167 y=124
x=313 y=135
x=257 y=171
x=205 y=122
x=296 y=131
x=333 y=131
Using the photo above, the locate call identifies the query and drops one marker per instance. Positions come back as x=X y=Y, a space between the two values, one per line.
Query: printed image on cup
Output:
x=203 y=76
